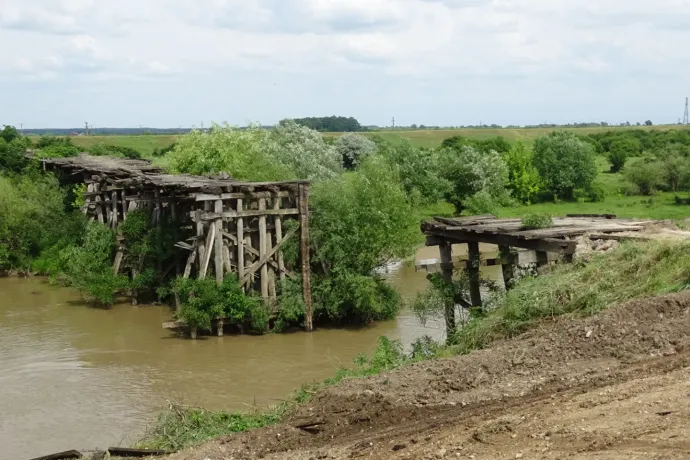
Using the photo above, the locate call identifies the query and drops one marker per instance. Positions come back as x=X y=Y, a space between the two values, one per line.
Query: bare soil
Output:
x=614 y=386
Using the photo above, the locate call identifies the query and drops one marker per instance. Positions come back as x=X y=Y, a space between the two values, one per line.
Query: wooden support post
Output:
x=118 y=260
x=508 y=259
x=473 y=272
x=87 y=199
x=240 y=243
x=271 y=273
x=99 y=203
x=218 y=223
x=159 y=208
x=304 y=253
x=124 y=204
x=542 y=258
x=115 y=207
x=262 y=249
x=200 y=238
x=173 y=207
x=209 y=249
x=219 y=327
x=446 y=252
x=279 y=238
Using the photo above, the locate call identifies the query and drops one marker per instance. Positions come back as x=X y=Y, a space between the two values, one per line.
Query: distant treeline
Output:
x=330 y=124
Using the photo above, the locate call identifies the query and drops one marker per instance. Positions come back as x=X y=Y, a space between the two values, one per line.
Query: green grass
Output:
x=143 y=143
x=634 y=270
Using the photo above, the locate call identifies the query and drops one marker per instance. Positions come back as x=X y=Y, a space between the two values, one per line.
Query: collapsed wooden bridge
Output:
x=241 y=226
x=558 y=242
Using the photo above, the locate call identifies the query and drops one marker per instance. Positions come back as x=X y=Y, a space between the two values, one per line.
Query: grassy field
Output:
x=143 y=143
x=421 y=137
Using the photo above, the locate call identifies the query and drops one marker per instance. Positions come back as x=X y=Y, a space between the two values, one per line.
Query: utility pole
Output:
x=393 y=123
x=686 y=116
x=86 y=128
x=21 y=128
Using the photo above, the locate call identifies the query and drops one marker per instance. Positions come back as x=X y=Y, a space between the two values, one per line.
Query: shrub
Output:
x=471 y=171
x=596 y=193
x=536 y=221
x=622 y=149
x=165 y=150
x=102 y=149
x=523 y=177
x=58 y=150
x=203 y=301
x=13 y=155
x=353 y=148
x=647 y=176
x=564 y=163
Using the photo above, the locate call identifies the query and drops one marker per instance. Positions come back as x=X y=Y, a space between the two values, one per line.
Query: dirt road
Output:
x=614 y=386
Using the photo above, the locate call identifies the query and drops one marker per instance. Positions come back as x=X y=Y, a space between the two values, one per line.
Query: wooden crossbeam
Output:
x=247 y=213
x=249 y=195
x=544 y=244
x=263 y=260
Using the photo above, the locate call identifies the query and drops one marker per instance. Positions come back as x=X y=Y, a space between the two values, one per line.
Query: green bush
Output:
x=536 y=221
x=596 y=193
x=102 y=149
x=647 y=176
x=523 y=177
x=164 y=151
x=564 y=163
x=203 y=301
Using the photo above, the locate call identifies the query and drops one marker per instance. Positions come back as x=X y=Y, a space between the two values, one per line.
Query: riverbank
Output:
x=534 y=347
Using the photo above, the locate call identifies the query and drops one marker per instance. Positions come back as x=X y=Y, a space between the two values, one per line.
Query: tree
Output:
x=523 y=177
x=648 y=123
x=353 y=148
x=620 y=150
x=646 y=175
x=329 y=124
x=564 y=163
x=9 y=133
x=470 y=171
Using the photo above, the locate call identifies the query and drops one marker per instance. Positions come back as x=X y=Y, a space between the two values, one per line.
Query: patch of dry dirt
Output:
x=615 y=386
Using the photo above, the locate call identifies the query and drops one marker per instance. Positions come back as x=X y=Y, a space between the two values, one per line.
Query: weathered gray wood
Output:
x=546 y=244
x=99 y=203
x=508 y=259
x=474 y=257
x=262 y=248
x=115 y=208
x=263 y=260
x=254 y=252
x=66 y=455
x=209 y=249
x=278 y=222
x=226 y=215
x=446 y=252
x=124 y=204
x=271 y=273
x=219 y=243
x=220 y=323
x=201 y=238
x=118 y=260
x=304 y=254
x=227 y=261
x=159 y=206
x=240 y=242
x=247 y=195
x=87 y=198
x=135 y=453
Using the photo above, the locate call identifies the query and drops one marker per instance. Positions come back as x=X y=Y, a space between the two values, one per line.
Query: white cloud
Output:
x=458 y=44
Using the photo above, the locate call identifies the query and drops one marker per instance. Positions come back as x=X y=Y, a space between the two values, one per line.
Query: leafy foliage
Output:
x=620 y=150
x=328 y=124
x=497 y=144
x=523 y=177
x=353 y=148
x=203 y=300
x=646 y=175
x=536 y=221
x=103 y=149
x=471 y=171
x=564 y=163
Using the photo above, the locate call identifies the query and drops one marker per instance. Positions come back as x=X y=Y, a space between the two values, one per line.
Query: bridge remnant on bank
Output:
x=230 y=226
x=554 y=243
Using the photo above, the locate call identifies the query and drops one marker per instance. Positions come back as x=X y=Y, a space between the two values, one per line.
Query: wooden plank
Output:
x=545 y=244
x=605 y=236
x=66 y=455
x=473 y=272
x=99 y=204
x=271 y=273
x=605 y=216
x=159 y=206
x=262 y=248
x=209 y=249
x=190 y=261
x=304 y=254
x=226 y=215
x=226 y=258
x=254 y=252
x=247 y=195
x=219 y=244
x=123 y=195
x=469 y=220
x=240 y=242
x=118 y=260
x=135 y=453
x=446 y=251
x=279 y=237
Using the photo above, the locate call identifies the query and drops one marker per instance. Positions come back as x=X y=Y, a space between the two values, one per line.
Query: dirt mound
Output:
x=489 y=393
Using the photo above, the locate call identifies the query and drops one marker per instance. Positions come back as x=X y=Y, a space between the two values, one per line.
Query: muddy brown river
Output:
x=77 y=377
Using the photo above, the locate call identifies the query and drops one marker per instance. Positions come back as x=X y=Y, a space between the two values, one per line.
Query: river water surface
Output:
x=77 y=377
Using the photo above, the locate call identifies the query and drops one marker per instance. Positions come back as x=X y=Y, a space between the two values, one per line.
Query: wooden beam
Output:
x=116 y=208
x=227 y=215
x=123 y=195
x=262 y=248
x=254 y=252
x=508 y=258
x=240 y=242
x=200 y=239
x=446 y=251
x=248 y=195
x=66 y=455
x=219 y=244
x=473 y=272
x=279 y=237
x=544 y=244
x=209 y=249
x=304 y=254
x=264 y=259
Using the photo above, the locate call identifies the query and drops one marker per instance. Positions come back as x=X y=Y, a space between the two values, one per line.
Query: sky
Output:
x=170 y=63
